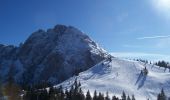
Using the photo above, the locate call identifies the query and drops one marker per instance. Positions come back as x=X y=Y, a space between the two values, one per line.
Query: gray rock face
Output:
x=53 y=55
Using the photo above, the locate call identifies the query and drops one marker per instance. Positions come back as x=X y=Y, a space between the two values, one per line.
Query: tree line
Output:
x=40 y=92
x=14 y=92
x=164 y=64
x=74 y=93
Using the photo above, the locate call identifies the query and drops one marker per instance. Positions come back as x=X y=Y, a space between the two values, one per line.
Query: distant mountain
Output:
x=116 y=75
x=50 y=56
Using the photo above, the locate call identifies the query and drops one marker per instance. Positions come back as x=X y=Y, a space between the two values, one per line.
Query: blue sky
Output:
x=119 y=26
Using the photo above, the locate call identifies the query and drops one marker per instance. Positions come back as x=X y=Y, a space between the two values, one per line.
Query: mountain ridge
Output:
x=47 y=55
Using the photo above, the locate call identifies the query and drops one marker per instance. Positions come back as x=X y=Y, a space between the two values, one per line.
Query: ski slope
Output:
x=120 y=75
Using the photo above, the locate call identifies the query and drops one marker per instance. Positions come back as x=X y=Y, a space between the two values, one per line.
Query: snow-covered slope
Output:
x=124 y=75
x=51 y=56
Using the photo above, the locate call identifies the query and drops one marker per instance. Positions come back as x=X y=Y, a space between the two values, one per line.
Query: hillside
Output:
x=124 y=75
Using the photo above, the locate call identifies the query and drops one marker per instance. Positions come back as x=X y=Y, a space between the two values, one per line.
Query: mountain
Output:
x=117 y=75
x=64 y=53
x=49 y=56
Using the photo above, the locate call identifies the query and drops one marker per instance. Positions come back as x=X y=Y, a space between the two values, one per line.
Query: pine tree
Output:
x=62 y=94
x=88 y=96
x=128 y=98
x=114 y=98
x=82 y=94
x=159 y=97
x=66 y=95
x=95 y=95
x=145 y=71
x=123 y=96
x=76 y=87
x=162 y=95
x=133 y=97
x=101 y=96
x=107 y=96
x=51 y=93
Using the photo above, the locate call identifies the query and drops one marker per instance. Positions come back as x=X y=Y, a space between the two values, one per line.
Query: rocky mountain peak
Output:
x=60 y=28
x=48 y=55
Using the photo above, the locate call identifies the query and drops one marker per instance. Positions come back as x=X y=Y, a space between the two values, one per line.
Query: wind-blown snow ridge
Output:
x=123 y=75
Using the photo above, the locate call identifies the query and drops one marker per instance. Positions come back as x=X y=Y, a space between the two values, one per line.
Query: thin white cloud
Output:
x=161 y=42
x=153 y=37
x=141 y=55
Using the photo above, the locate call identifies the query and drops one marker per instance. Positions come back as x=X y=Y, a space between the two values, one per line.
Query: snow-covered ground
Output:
x=120 y=75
